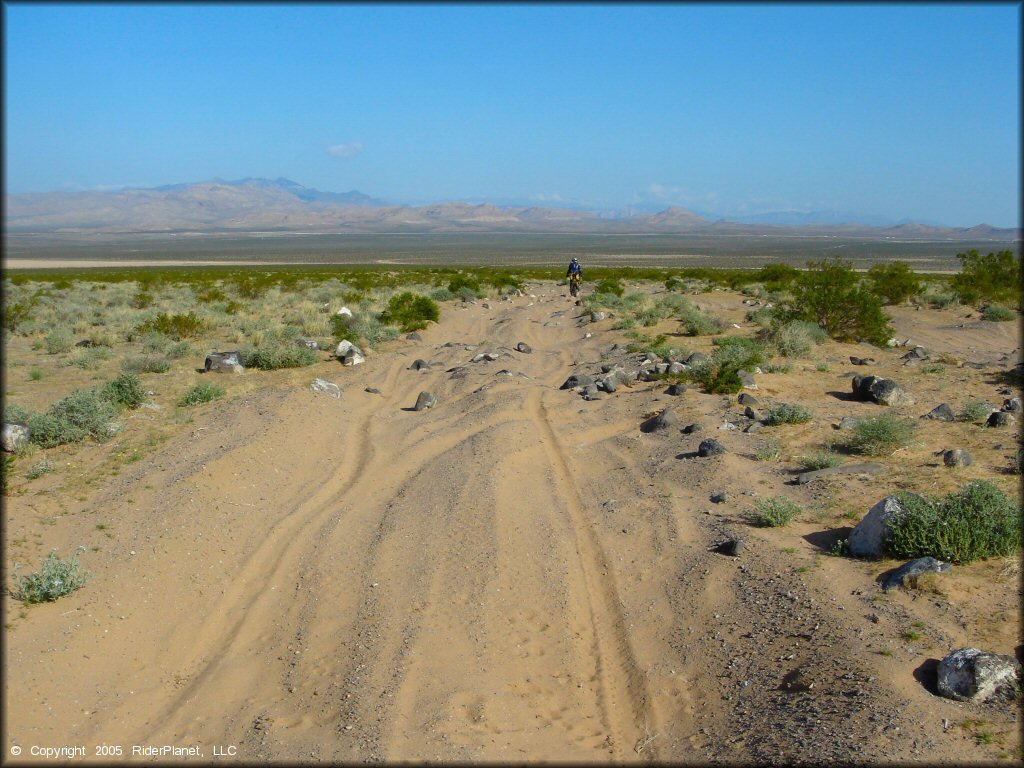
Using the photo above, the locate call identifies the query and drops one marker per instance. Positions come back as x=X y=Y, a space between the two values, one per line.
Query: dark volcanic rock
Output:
x=968 y=674
x=710 y=447
x=956 y=457
x=906 y=575
x=425 y=400
x=941 y=412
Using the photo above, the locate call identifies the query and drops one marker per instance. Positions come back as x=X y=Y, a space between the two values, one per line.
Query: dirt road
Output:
x=514 y=574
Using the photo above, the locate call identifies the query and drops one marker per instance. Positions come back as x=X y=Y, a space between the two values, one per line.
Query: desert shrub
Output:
x=505 y=282
x=975 y=410
x=938 y=298
x=832 y=295
x=278 y=355
x=894 y=281
x=762 y=316
x=624 y=324
x=211 y=294
x=998 y=313
x=795 y=338
x=16 y=313
x=609 y=285
x=58 y=341
x=90 y=358
x=698 y=323
x=995 y=277
x=84 y=413
x=203 y=392
x=177 y=327
x=933 y=368
x=776 y=277
x=58 y=577
x=716 y=378
x=978 y=521
x=442 y=294
x=674 y=283
x=651 y=315
x=818 y=460
x=35 y=373
x=776 y=368
x=741 y=351
x=39 y=469
x=772 y=512
x=768 y=451
x=125 y=391
x=786 y=413
x=410 y=312
x=464 y=286
x=880 y=435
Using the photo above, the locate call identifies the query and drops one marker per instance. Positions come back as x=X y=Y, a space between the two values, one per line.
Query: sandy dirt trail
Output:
x=514 y=574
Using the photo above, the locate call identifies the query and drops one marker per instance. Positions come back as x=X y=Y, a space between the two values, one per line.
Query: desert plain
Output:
x=516 y=574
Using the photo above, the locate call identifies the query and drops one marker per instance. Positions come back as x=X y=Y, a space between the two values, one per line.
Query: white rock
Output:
x=867 y=536
x=320 y=385
x=14 y=436
x=344 y=311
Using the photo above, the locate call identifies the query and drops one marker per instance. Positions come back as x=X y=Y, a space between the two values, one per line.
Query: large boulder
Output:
x=349 y=353
x=868 y=537
x=224 y=362
x=968 y=674
x=956 y=457
x=881 y=391
x=15 y=436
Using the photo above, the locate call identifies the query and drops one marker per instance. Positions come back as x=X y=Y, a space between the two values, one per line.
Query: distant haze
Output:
x=881 y=114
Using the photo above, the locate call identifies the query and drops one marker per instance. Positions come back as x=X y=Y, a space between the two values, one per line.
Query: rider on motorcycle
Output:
x=575 y=275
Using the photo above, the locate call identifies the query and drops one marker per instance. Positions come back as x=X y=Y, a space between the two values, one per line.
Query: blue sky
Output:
x=903 y=111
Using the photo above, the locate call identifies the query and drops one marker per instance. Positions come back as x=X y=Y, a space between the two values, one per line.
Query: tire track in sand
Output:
x=624 y=698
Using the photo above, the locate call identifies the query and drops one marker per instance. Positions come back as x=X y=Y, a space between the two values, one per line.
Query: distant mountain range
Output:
x=282 y=205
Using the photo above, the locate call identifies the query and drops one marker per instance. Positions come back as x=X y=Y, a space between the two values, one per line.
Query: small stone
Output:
x=425 y=400
x=413 y=337
x=719 y=496
x=689 y=429
x=745 y=398
x=326 y=387
x=675 y=389
x=523 y=347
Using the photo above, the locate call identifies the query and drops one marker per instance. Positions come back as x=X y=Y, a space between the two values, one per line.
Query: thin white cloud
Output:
x=351 y=149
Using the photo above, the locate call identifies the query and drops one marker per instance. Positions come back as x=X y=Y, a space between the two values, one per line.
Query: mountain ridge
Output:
x=282 y=204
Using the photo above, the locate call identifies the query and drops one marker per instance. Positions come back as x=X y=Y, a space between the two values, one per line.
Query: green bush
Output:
x=880 y=435
x=84 y=413
x=978 y=521
x=410 y=312
x=609 y=285
x=465 y=286
x=698 y=323
x=786 y=413
x=894 y=281
x=59 y=341
x=975 y=410
x=995 y=277
x=772 y=512
x=776 y=277
x=998 y=313
x=795 y=338
x=768 y=451
x=203 y=392
x=146 y=364
x=57 y=578
x=819 y=460
x=125 y=391
x=177 y=327
x=270 y=357
x=832 y=295
x=741 y=351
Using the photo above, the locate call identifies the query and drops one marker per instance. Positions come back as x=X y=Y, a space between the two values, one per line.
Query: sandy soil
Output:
x=515 y=574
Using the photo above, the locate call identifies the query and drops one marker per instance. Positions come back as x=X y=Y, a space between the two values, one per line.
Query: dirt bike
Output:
x=574 y=284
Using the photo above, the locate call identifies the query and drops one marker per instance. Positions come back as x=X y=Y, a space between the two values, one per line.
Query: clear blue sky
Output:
x=906 y=111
